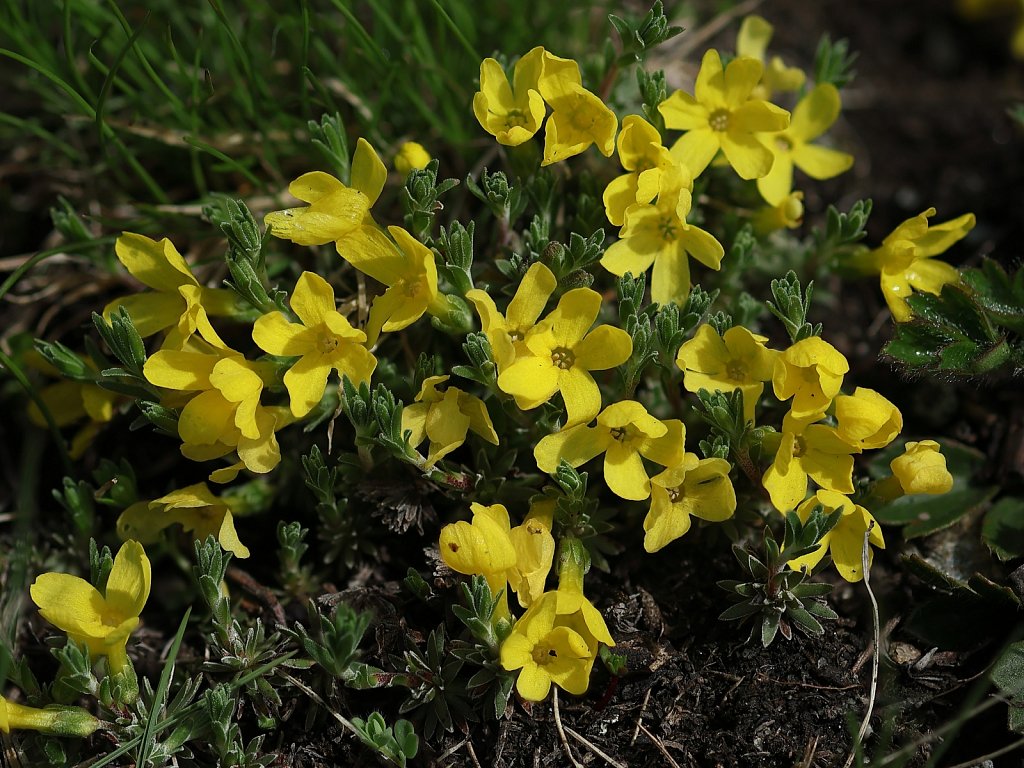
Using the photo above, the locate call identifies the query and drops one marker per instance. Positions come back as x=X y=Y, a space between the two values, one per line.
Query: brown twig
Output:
x=561 y=731
x=877 y=635
x=594 y=748
x=661 y=747
x=257 y=590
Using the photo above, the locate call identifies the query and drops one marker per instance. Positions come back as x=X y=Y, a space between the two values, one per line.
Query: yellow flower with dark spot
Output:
x=445 y=418
x=561 y=352
x=324 y=340
x=546 y=653
x=845 y=542
x=103 y=622
x=626 y=434
x=693 y=488
x=194 y=508
x=723 y=115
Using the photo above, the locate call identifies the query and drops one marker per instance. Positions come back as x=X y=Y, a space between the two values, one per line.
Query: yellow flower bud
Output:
x=922 y=469
x=55 y=720
x=411 y=156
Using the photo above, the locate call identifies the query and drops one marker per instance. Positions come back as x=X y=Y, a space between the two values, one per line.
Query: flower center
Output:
x=515 y=118
x=619 y=433
x=799 y=447
x=736 y=371
x=544 y=654
x=675 y=494
x=326 y=342
x=667 y=227
x=719 y=120
x=783 y=144
x=411 y=287
x=563 y=358
x=516 y=335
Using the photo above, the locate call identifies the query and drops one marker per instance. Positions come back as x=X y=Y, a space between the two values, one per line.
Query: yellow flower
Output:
x=867 y=420
x=574 y=610
x=408 y=270
x=788 y=214
x=70 y=401
x=103 y=622
x=323 y=341
x=411 y=157
x=922 y=469
x=845 y=542
x=546 y=653
x=626 y=434
x=722 y=115
x=512 y=114
x=53 y=720
x=445 y=418
x=177 y=301
x=506 y=334
x=578 y=117
x=194 y=508
x=811 y=372
x=658 y=234
x=520 y=557
x=643 y=156
x=226 y=413
x=812 y=117
x=695 y=487
x=817 y=451
x=560 y=353
x=737 y=360
x=752 y=40
x=905 y=259
x=335 y=211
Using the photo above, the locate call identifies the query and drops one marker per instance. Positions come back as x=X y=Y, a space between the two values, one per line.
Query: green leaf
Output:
x=1003 y=529
x=1008 y=671
x=923 y=515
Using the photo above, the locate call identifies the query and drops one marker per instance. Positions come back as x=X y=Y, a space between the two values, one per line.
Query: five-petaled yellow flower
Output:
x=324 y=340
x=626 y=434
x=792 y=147
x=693 y=488
x=644 y=158
x=659 y=234
x=722 y=115
x=905 y=259
x=335 y=210
x=816 y=451
x=560 y=353
x=547 y=652
x=445 y=418
x=176 y=302
x=845 y=542
x=737 y=360
x=511 y=113
x=506 y=333
x=194 y=508
x=103 y=622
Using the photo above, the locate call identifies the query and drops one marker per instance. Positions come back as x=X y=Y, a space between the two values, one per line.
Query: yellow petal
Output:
x=604 y=347
x=624 y=473
x=274 y=334
x=306 y=382
x=129 y=581
x=312 y=299
x=446 y=426
x=741 y=76
x=575 y=445
x=683 y=113
x=151 y=312
x=155 y=264
x=205 y=418
x=313 y=186
x=670 y=279
x=368 y=171
x=69 y=603
x=532 y=294
x=821 y=162
x=753 y=37
x=816 y=112
x=696 y=148
x=580 y=394
x=748 y=157
x=532 y=378
x=186 y=371
x=479 y=418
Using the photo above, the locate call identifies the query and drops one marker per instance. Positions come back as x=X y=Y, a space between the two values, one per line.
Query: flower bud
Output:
x=922 y=469
x=411 y=156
